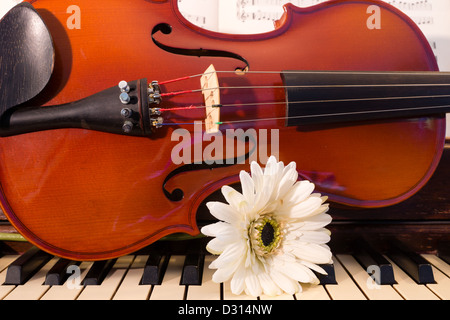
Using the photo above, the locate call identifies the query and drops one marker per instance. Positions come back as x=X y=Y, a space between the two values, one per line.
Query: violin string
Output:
x=178 y=123
x=177 y=93
x=307 y=102
x=185 y=78
x=412 y=73
x=234 y=105
x=308 y=116
x=174 y=93
x=330 y=114
x=240 y=72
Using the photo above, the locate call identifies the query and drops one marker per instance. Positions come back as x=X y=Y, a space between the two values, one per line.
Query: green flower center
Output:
x=265 y=235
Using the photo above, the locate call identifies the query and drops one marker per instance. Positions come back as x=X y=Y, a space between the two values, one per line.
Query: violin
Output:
x=146 y=116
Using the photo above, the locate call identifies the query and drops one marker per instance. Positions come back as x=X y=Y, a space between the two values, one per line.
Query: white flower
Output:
x=271 y=236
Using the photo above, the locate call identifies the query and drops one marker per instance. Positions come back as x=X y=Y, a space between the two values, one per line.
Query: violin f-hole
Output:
x=200 y=52
x=178 y=194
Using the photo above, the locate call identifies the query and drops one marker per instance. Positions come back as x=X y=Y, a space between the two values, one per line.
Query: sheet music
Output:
x=432 y=16
x=254 y=16
x=257 y=16
x=6 y=5
x=202 y=13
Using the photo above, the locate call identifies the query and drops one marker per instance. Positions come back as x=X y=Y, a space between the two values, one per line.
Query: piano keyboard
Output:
x=36 y=275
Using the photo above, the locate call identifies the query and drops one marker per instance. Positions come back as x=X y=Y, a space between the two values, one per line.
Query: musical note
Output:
x=412 y=5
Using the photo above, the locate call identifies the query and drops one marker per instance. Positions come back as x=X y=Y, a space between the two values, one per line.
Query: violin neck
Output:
x=340 y=97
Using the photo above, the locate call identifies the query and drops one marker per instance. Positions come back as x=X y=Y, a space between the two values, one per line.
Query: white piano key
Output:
x=345 y=289
x=72 y=288
x=5 y=261
x=34 y=288
x=438 y=263
x=130 y=288
x=208 y=290
x=408 y=288
x=5 y=289
x=365 y=282
x=108 y=287
x=170 y=288
x=312 y=292
x=440 y=268
x=442 y=286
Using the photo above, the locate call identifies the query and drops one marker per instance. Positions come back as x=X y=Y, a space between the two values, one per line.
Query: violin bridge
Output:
x=210 y=89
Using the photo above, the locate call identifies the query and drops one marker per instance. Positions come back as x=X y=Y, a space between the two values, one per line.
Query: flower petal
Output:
x=224 y=274
x=219 y=229
x=290 y=176
x=233 y=253
x=270 y=165
x=248 y=187
x=222 y=211
x=314 y=253
x=291 y=166
x=298 y=272
x=216 y=246
x=299 y=192
x=226 y=264
x=316 y=222
x=268 y=285
x=286 y=283
x=314 y=267
x=237 y=283
x=234 y=198
x=265 y=196
x=315 y=237
x=257 y=176
x=253 y=287
x=272 y=175
x=305 y=208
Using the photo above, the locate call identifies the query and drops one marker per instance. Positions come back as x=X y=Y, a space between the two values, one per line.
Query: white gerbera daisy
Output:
x=271 y=236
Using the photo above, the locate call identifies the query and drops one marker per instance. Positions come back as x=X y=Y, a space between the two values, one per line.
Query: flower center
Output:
x=265 y=235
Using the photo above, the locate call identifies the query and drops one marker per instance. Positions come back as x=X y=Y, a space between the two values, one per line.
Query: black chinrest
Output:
x=26 y=56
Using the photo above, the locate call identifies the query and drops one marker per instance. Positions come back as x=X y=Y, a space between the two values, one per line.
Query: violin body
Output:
x=88 y=195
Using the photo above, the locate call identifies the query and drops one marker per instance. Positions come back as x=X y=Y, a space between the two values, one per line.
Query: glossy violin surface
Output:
x=89 y=195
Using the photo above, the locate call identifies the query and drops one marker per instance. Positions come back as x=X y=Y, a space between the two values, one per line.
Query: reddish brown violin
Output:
x=354 y=104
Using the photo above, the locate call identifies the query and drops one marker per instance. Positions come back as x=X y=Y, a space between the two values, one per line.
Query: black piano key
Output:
x=330 y=277
x=412 y=263
x=369 y=259
x=98 y=272
x=154 y=268
x=24 y=267
x=58 y=273
x=192 y=269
